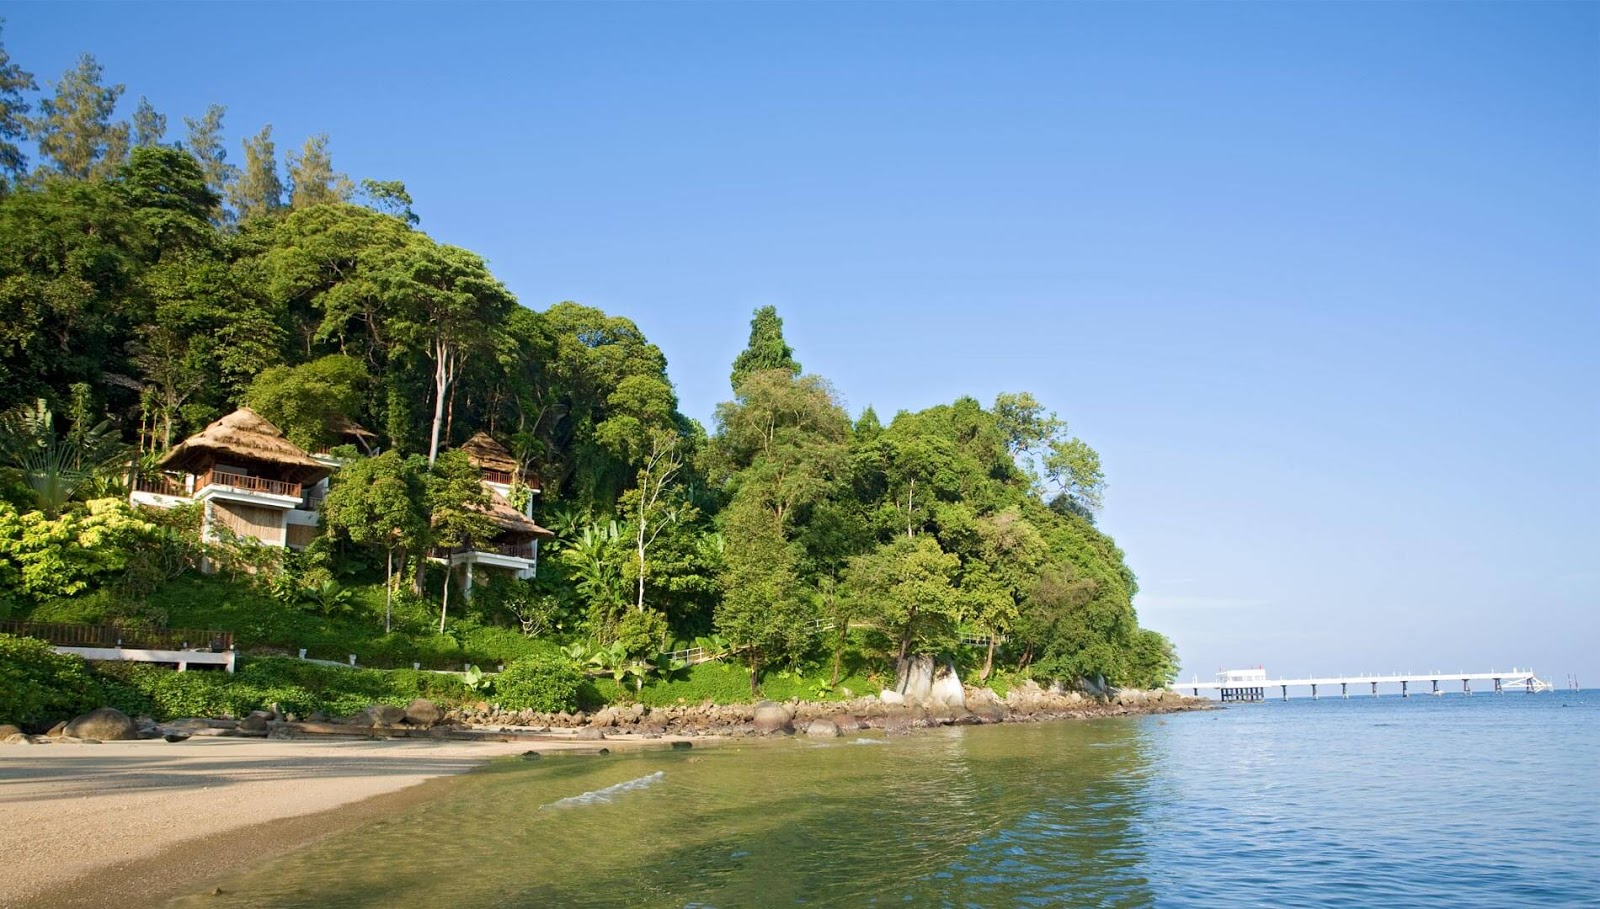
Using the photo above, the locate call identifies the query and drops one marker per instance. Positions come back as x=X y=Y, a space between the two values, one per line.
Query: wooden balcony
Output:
x=240 y=481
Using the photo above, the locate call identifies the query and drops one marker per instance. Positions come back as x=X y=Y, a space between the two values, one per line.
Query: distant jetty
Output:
x=1253 y=684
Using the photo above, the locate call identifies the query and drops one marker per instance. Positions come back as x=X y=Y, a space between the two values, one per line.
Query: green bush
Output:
x=539 y=682
x=39 y=686
x=295 y=686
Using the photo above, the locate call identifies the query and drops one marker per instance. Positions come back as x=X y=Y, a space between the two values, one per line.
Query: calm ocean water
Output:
x=1482 y=801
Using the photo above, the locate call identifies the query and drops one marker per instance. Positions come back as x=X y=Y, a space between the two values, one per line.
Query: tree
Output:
x=378 y=502
x=170 y=199
x=998 y=576
x=761 y=614
x=389 y=197
x=443 y=297
x=650 y=505
x=74 y=130
x=313 y=401
x=312 y=179
x=149 y=125
x=259 y=189
x=55 y=465
x=459 y=509
x=14 y=109
x=909 y=583
x=783 y=438
x=205 y=143
x=767 y=348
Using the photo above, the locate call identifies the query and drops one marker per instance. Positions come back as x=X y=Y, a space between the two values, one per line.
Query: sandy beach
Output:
x=91 y=825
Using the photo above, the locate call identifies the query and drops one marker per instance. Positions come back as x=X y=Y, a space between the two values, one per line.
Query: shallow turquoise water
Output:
x=1422 y=802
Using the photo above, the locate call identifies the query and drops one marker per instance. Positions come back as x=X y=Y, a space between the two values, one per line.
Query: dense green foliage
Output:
x=148 y=288
x=542 y=682
x=39 y=686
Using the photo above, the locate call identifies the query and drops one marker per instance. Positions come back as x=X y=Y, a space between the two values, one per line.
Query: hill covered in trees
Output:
x=150 y=285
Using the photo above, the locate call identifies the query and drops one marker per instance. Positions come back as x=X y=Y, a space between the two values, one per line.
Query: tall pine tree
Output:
x=312 y=179
x=259 y=189
x=149 y=125
x=14 y=108
x=74 y=130
x=767 y=348
x=204 y=142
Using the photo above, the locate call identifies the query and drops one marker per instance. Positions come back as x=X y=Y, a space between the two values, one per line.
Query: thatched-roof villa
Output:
x=515 y=549
x=253 y=481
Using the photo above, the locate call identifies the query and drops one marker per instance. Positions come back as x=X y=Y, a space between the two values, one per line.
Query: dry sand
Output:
x=105 y=824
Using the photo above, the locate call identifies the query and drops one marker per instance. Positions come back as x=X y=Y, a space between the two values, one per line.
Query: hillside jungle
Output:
x=152 y=280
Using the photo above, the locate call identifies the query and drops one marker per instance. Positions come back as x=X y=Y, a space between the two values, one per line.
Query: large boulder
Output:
x=423 y=712
x=772 y=717
x=8 y=730
x=946 y=690
x=589 y=734
x=604 y=718
x=914 y=678
x=822 y=729
x=892 y=698
x=108 y=724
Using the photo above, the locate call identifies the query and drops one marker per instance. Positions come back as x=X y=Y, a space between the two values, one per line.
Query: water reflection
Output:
x=993 y=816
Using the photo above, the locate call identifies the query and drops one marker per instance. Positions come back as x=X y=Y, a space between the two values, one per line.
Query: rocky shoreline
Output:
x=1027 y=703
x=888 y=712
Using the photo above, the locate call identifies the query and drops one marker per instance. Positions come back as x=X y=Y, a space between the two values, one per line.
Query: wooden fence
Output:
x=63 y=634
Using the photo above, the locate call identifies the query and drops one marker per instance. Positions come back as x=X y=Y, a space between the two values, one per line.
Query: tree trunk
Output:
x=444 y=607
x=388 y=595
x=755 y=675
x=444 y=368
x=838 y=652
x=907 y=635
x=988 y=661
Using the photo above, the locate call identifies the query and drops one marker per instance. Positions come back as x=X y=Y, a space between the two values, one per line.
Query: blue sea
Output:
x=1484 y=801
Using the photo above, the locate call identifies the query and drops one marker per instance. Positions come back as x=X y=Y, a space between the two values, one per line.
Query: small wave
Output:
x=603 y=796
x=866 y=741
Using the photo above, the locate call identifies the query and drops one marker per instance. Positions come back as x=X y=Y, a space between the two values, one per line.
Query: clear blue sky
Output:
x=1320 y=281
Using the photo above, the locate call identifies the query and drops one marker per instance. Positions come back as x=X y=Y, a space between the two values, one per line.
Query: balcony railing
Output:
x=161 y=484
x=515 y=550
x=215 y=477
x=503 y=477
x=313 y=499
x=63 y=634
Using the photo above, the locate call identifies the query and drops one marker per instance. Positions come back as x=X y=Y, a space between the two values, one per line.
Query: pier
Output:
x=1253 y=685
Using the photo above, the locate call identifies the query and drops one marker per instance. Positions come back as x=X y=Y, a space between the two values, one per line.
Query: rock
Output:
x=988 y=712
x=636 y=711
x=946 y=690
x=57 y=728
x=913 y=678
x=822 y=729
x=255 y=722
x=108 y=724
x=386 y=715
x=771 y=717
x=176 y=737
x=7 y=731
x=604 y=719
x=589 y=734
x=17 y=738
x=892 y=698
x=423 y=712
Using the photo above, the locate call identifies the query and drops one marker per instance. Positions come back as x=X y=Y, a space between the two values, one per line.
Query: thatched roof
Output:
x=245 y=438
x=510 y=520
x=487 y=454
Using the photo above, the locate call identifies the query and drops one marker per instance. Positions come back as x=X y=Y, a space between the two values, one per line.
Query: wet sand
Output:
x=131 y=823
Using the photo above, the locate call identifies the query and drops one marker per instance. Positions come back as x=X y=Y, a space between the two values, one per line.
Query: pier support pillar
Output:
x=1374 y=689
x=1313 y=691
x=1404 y=691
x=1466 y=687
x=1496 y=686
x=1344 y=689
x=1435 y=686
x=1286 y=692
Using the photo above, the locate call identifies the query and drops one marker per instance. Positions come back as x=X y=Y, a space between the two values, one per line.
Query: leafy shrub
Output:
x=539 y=682
x=295 y=686
x=39 y=686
